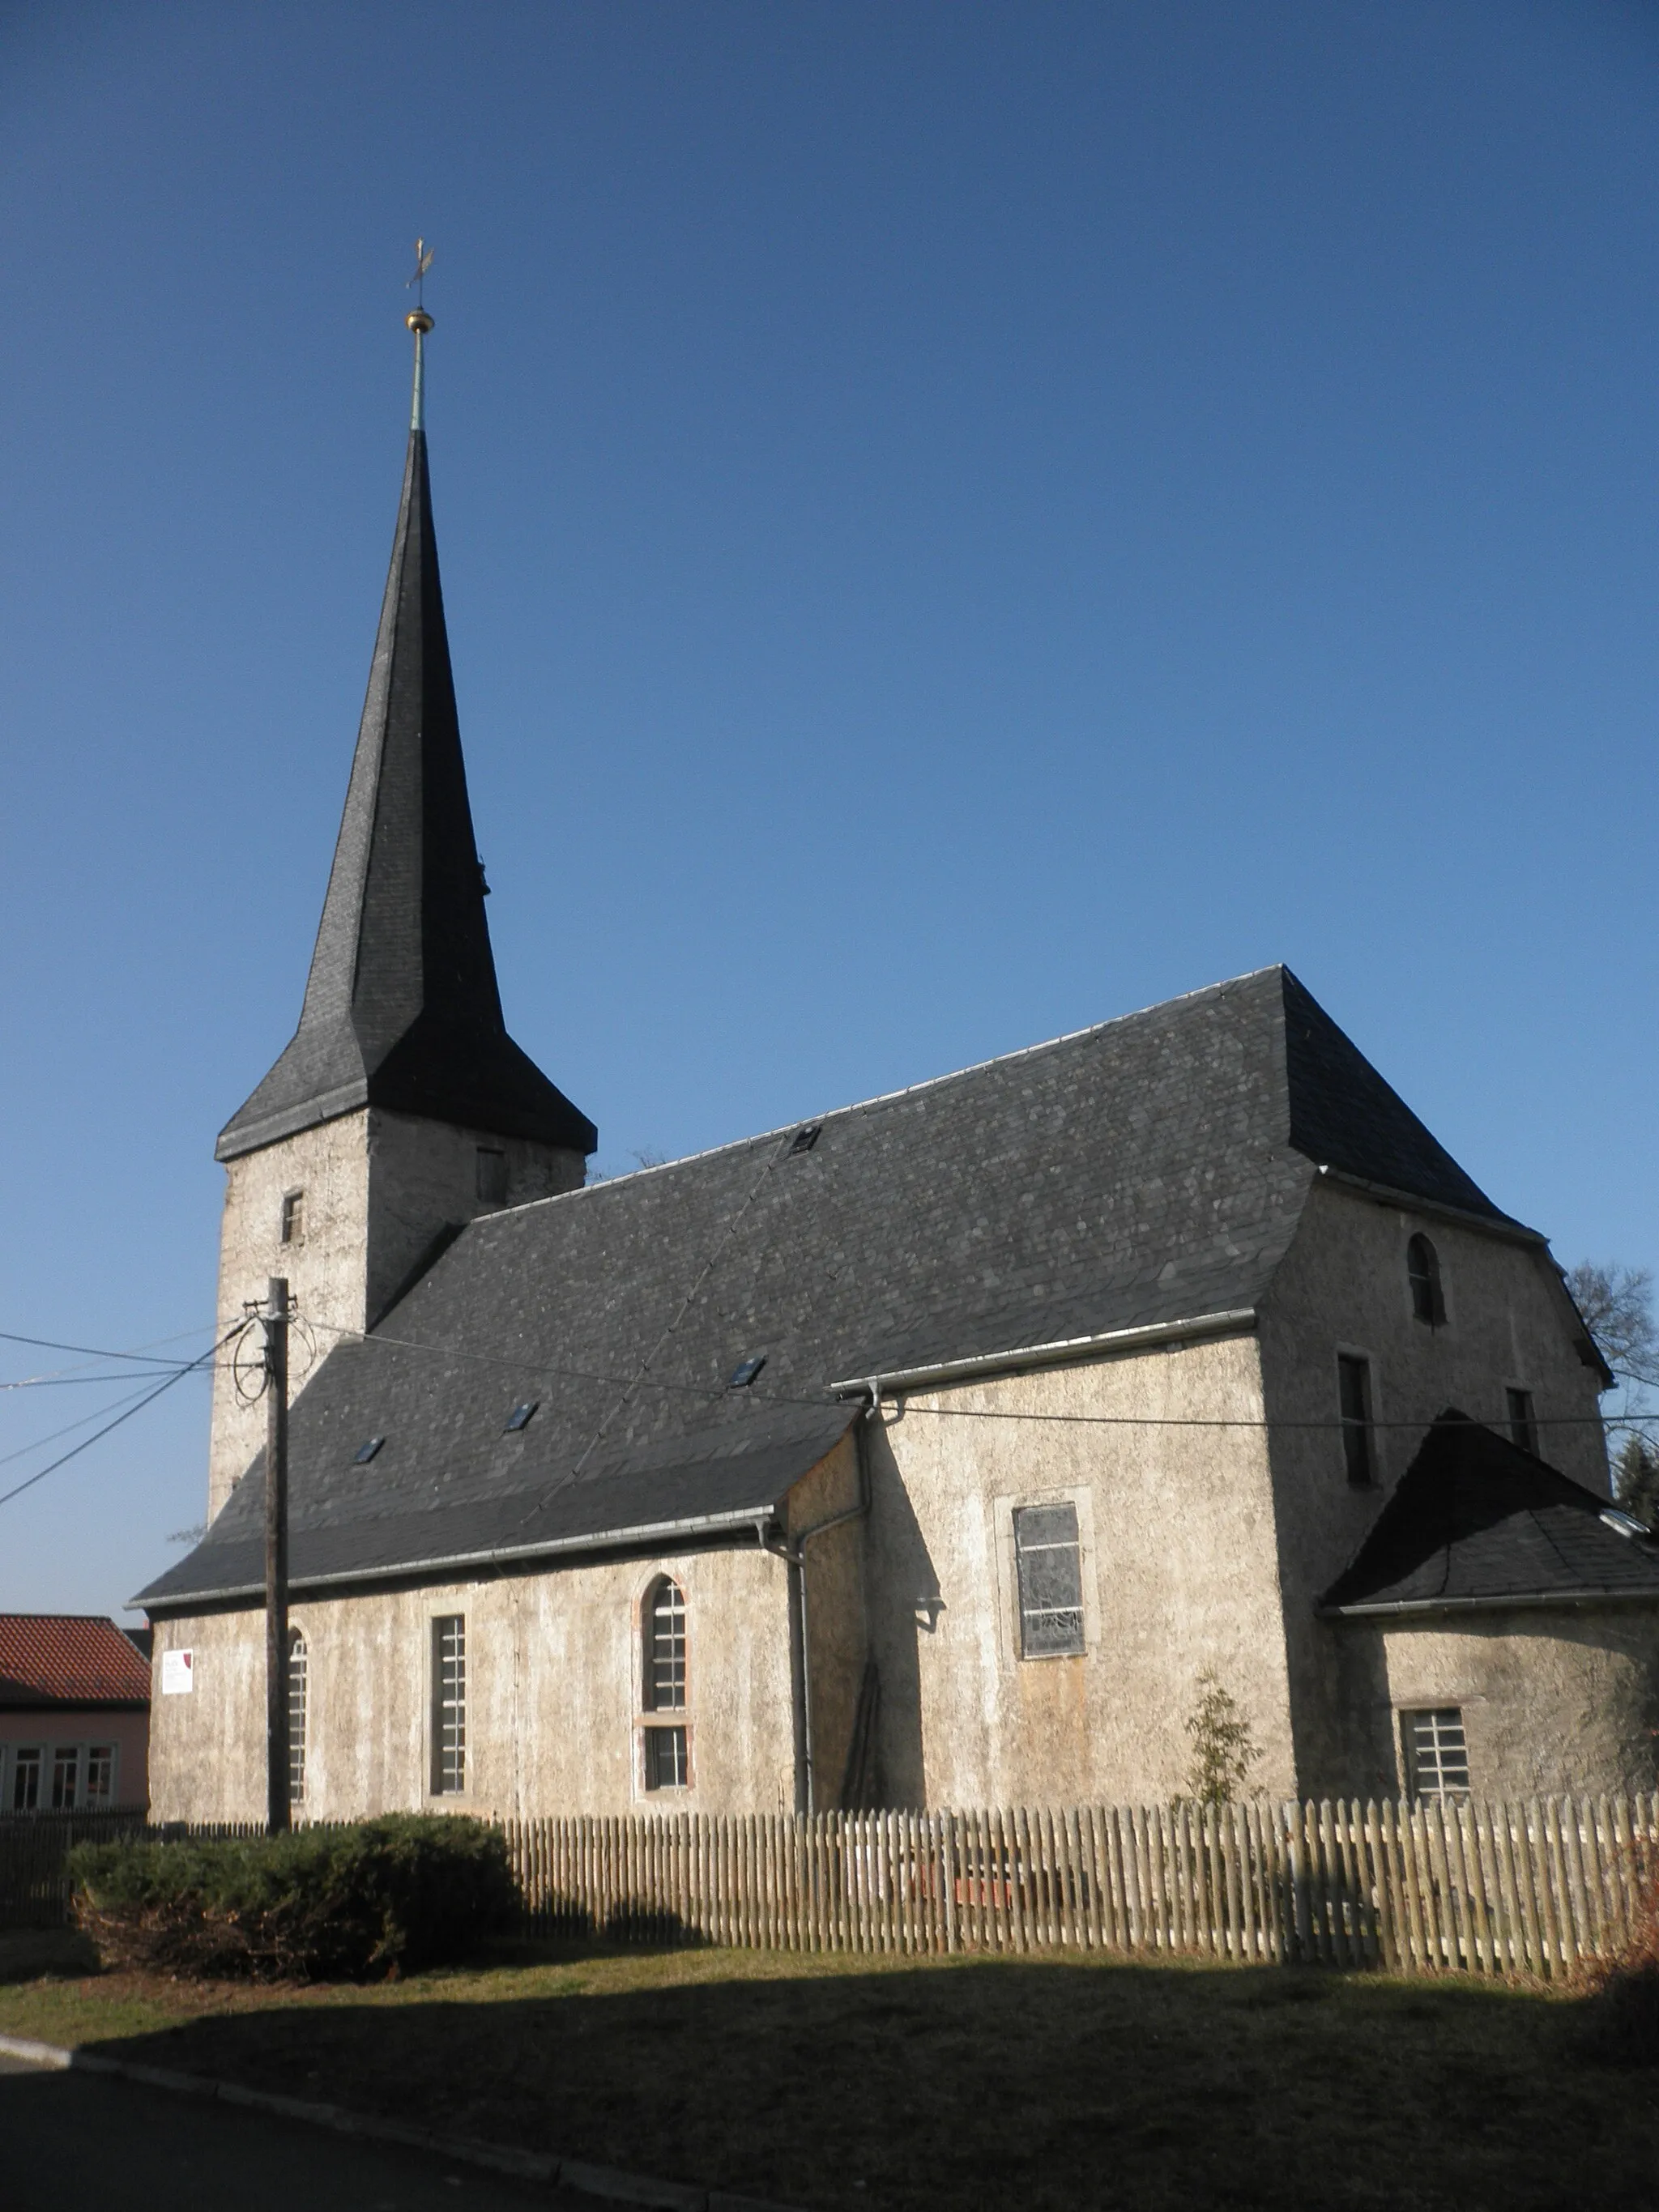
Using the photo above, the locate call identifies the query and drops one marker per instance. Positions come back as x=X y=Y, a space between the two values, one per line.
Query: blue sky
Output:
x=959 y=521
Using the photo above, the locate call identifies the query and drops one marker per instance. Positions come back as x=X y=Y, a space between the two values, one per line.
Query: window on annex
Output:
x=27 y=1763
x=100 y=1774
x=294 y=1216
x=492 y=1177
x=1354 y=1391
x=1049 y=1565
x=666 y=1767
x=1523 y=1425
x=65 y=1776
x=449 y=1704
x=299 y=1669
x=665 y=1649
x=1437 y=1753
x=1423 y=1273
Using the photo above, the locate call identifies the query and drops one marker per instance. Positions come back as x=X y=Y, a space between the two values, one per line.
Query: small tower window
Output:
x=1423 y=1272
x=1353 y=1383
x=492 y=1177
x=294 y=1216
x=1523 y=1423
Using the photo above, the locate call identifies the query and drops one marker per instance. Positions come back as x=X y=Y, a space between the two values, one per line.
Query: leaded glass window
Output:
x=1049 y=1563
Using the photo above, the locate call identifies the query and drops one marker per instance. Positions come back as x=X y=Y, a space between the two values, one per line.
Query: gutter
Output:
x=1398 y=1608
x=1238 y=1320
x=700 y=1524
x=1512 y=1232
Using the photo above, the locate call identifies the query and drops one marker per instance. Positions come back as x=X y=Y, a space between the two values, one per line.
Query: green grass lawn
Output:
x=1063 y=2082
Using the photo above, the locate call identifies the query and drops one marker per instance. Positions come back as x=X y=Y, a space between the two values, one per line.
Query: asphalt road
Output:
x=68 y=2141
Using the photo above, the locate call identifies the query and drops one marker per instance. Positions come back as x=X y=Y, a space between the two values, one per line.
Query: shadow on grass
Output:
x=1060 y=2083
x=37 y=1955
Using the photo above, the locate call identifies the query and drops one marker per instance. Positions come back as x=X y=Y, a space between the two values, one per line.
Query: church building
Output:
x=929 y=1451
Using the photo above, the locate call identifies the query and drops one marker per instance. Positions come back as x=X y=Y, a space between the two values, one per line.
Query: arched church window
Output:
x=665 y=1649
x=1423 y=1271
x=298 y=1685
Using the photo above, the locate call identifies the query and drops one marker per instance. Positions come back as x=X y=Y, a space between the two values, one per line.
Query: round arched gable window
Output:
x=1423 y=1273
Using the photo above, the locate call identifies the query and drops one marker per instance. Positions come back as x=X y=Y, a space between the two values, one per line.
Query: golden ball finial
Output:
x=420 y=322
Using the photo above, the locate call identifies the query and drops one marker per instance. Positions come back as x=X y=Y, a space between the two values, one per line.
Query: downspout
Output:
x=793 y=1552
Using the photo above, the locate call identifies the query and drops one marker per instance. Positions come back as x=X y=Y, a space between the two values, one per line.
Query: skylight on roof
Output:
x=742 y=1377
x=520 y=1417
x=1625 y=1524
x=364 y=1453
x=805 y=1139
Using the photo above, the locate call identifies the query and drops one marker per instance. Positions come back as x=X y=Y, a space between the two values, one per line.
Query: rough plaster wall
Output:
x=1179 y=1574
x=554 y=1694
x=836 y=1634
x=1551 y=1701
x=325 y=1269
x=379 y=1188
x=1344 y=1286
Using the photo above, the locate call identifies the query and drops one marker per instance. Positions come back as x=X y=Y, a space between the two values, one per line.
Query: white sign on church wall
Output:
x=177 y=1678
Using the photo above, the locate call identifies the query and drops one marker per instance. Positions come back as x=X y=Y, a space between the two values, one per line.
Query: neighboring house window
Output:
x=100 y=1774
x=492 y=1177
x=1354 y=1385
x=65 y=1776
x=1423 y=1270
x=1050 y=1570
x=1436 y=1754
x=665 y=1650
x=449 y=1703
x=298 y=1674
x=294 y=1216
x=1523 y=1428
x=666 y=1764
x=26 y=1777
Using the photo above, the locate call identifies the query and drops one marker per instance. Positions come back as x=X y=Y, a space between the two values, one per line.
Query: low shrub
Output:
x=352 y=1903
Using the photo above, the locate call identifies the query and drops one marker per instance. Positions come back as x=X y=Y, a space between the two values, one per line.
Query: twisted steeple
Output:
x=402 y=1009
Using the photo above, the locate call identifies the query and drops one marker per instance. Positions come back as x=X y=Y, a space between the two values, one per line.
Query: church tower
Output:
x=401 y=1109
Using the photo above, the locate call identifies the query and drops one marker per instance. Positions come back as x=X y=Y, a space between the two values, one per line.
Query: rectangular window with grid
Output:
x=449 y=1704
x=1437 y=1753
x=1353 y=1389
x=100 y=1774
x=1048 y=1559
x=298 y=1673
x=65 y=1776
x=25 y=1777
x=665 y=1762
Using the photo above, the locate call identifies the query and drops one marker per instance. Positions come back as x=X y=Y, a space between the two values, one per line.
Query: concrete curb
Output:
x=600 y=2181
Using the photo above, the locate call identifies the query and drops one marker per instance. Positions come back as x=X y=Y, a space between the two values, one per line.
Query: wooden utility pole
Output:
x=277 y=1775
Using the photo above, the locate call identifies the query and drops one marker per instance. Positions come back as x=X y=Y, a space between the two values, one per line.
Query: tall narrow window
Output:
x=665 y=1650
x=1523 y=1427
x=294 y=1216
x=492 y=1177
x=1423 y=1272
x=1437 y=1753
x=298 y=1685
x=1050 y=1570
x=26 y=1777
x=65 y=1776
x=449 y=1703
x=100 y=1774
x=1353 y=1386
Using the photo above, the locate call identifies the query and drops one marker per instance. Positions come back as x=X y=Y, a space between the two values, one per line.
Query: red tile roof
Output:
x=68 y=1659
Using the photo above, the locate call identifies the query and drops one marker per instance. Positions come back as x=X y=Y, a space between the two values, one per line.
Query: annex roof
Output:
x=1148 y=1171
x=60 y=1659
x=1475 y=1521
x=402 y=1008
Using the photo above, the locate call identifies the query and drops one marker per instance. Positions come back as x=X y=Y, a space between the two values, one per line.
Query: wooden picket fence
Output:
x=1533 y=1890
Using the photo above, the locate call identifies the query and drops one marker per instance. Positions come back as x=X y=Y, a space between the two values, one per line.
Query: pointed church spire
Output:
x=402 y=1009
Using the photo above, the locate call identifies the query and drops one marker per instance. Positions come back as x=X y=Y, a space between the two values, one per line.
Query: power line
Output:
x=98 y=1414
x=87 y=1443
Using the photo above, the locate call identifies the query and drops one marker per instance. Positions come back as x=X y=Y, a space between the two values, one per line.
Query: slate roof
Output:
x=1148 y=1170
x=53 y=1659
x=1475 y=1521
x=402 y=1008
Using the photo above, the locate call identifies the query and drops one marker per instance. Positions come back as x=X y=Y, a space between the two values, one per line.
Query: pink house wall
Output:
x=60 y=1724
